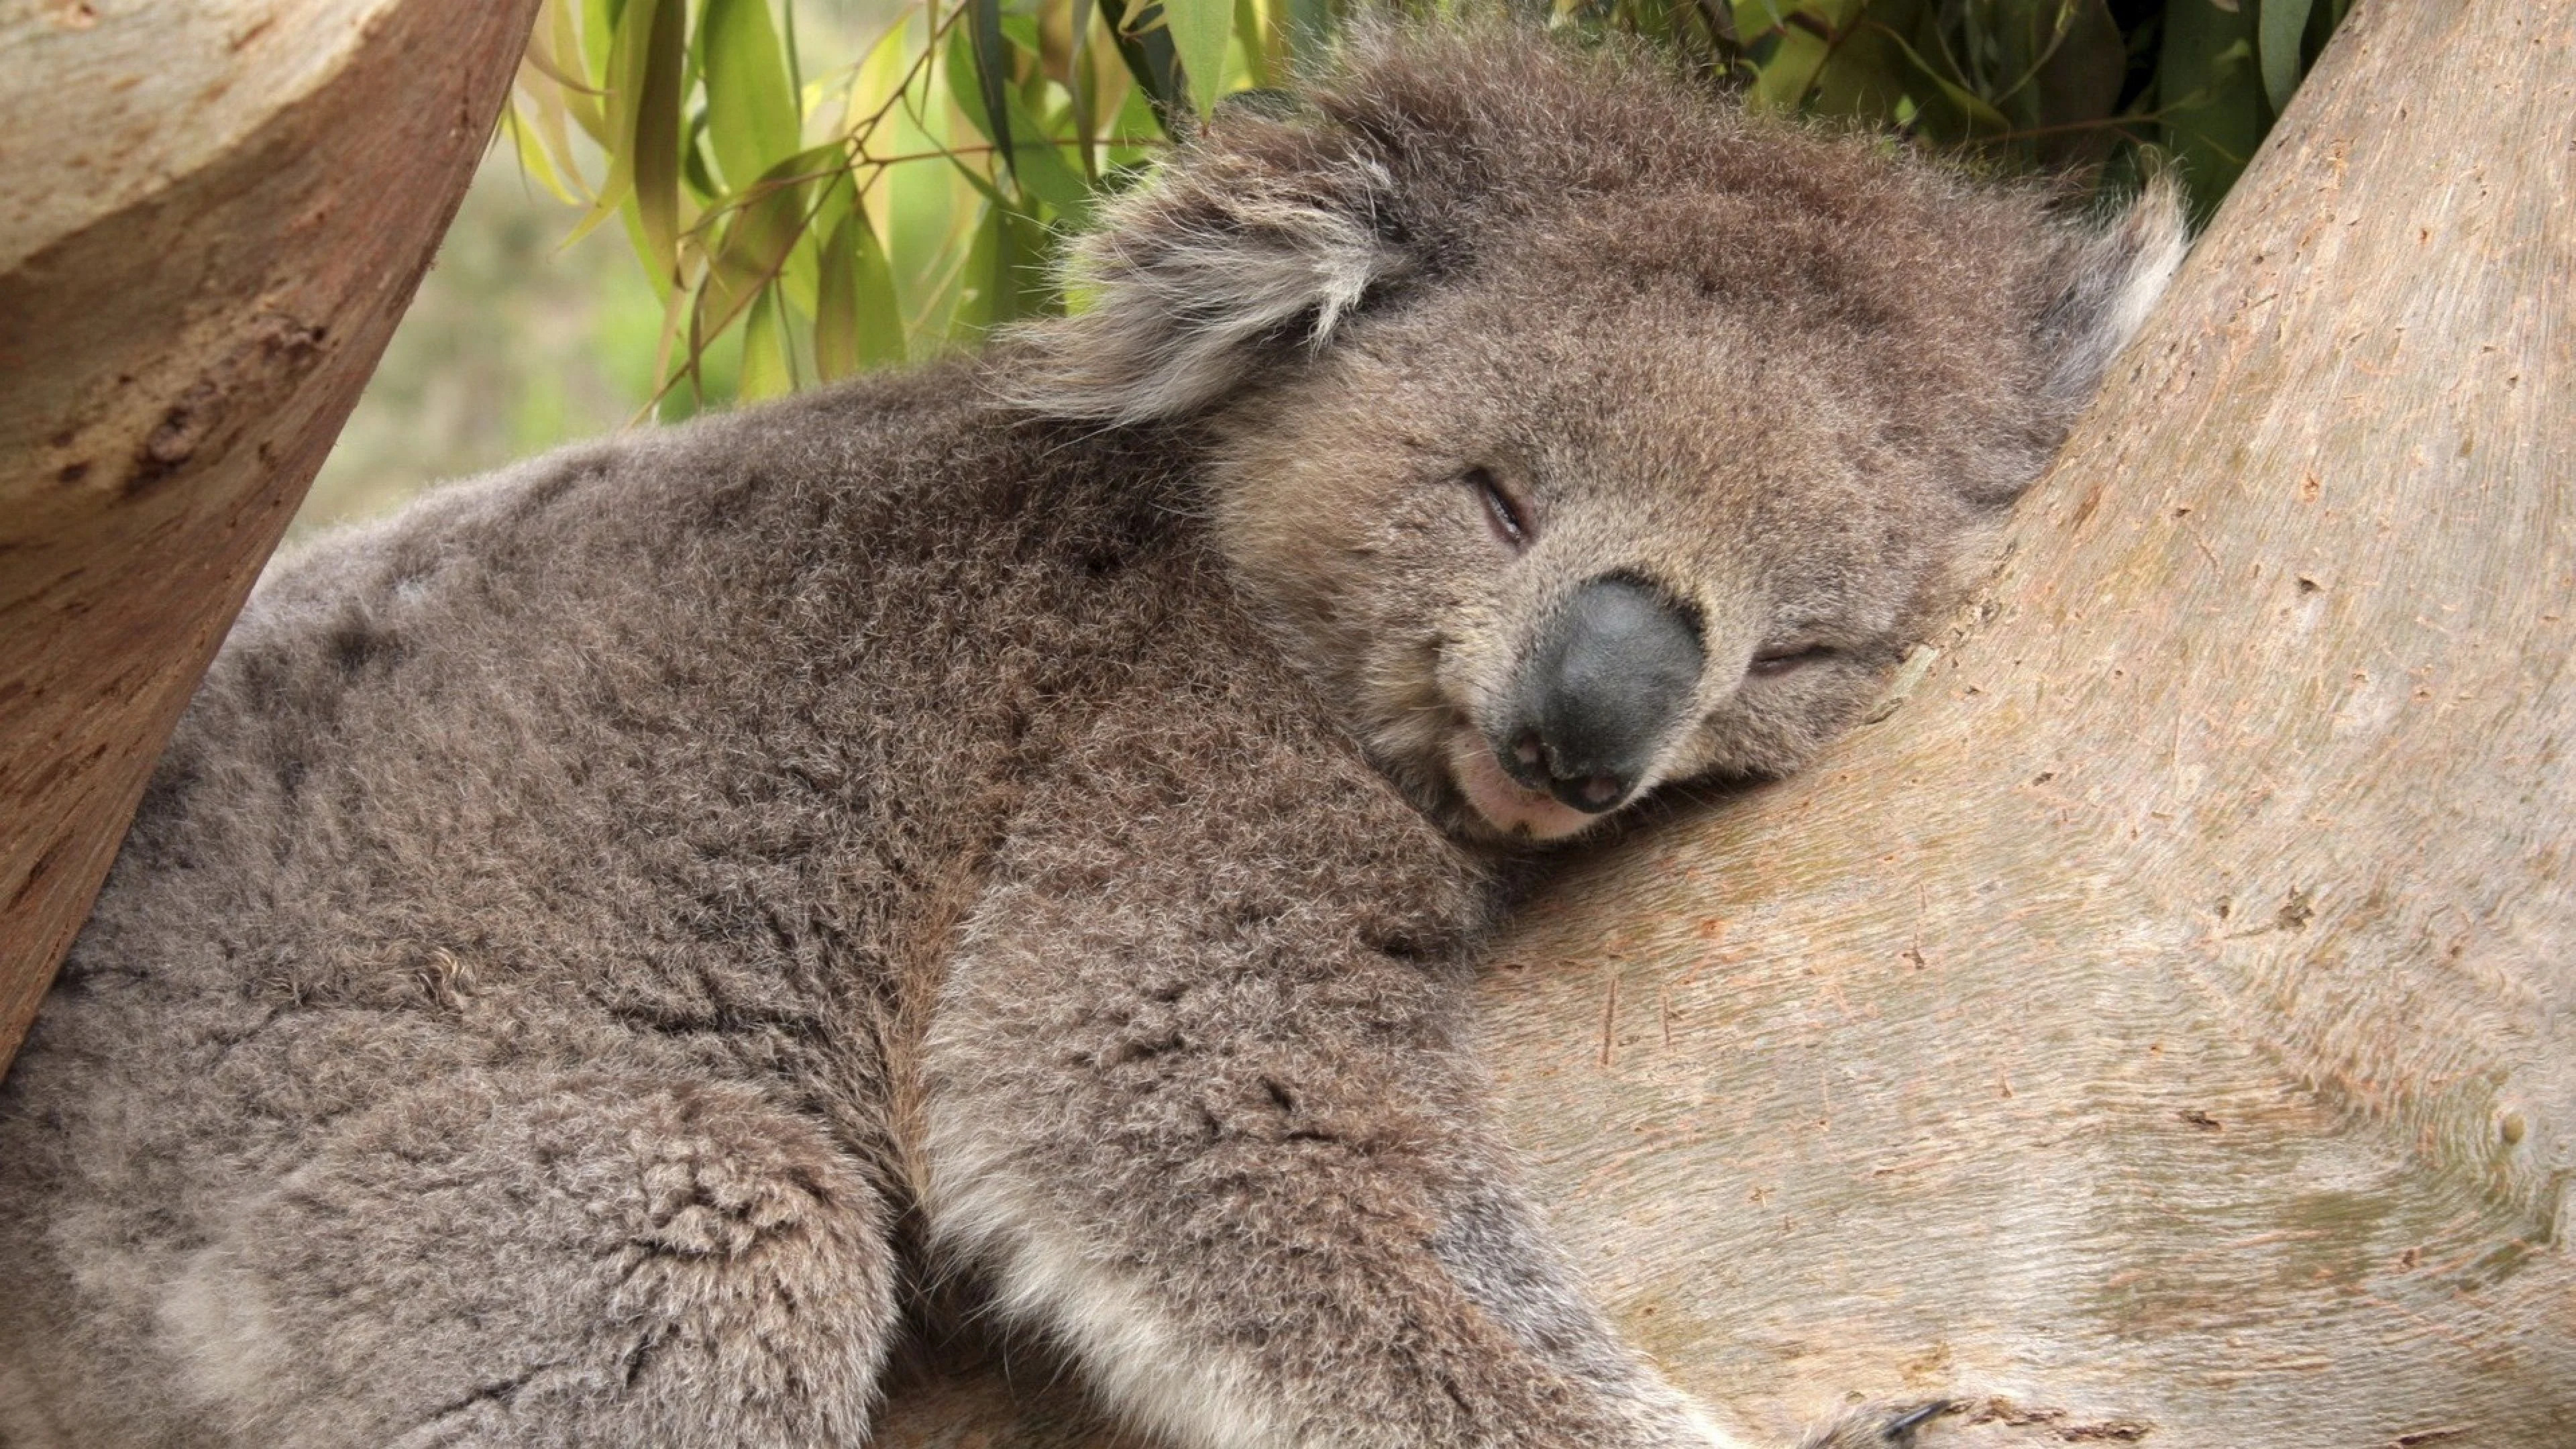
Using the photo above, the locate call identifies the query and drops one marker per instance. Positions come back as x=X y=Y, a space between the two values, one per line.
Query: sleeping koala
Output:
x=601 y=937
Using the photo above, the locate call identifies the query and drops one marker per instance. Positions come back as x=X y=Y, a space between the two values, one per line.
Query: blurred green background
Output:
x=693 y=203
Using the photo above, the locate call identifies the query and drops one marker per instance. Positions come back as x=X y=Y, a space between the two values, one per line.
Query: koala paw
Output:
x=1880 y=1426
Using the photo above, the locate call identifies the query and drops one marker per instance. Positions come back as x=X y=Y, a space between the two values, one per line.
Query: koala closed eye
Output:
x=1512 y=520
x=1788 y=659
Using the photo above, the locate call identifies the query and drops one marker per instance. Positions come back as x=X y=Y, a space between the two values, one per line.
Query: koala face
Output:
x=1601 y=437
x=1555 y=545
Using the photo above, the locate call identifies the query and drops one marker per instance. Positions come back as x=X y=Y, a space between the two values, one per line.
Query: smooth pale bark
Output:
x=2163 y=1027
x=215 y=214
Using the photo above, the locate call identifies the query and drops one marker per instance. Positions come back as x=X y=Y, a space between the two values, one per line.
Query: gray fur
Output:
x=594 y=931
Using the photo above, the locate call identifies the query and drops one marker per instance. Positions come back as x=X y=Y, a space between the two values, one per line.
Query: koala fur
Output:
x=600 y=937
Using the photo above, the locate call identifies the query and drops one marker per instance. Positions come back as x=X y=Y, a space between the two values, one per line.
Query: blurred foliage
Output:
x=815 y=189
x=913 y=191
x=513 y=344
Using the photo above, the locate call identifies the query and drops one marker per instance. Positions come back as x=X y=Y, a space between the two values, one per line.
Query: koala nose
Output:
x=1610 y=674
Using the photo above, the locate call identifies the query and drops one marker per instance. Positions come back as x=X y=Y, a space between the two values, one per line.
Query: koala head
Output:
x=1576 y=432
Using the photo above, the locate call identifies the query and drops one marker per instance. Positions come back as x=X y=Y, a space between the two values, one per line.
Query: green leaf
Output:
x=758 y=235
x=975 y=281
x=2212 y=100
x=1152 y=61
x=1031 y=154
x=856 y=323
x=1199 y=29
x=598 y=38
x=753 y=119
x=1977 y=114
x=990 y=61
x=765 y=372
x=1256 y=53
x=836 y=305
x=653 y=48
x=2283 y=24
x=1042 y=169
x=1787 y=70
x=622 y=65
x=532 y=153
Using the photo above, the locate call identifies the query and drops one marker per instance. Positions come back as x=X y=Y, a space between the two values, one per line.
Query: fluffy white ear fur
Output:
x=2116 y=277
x=1195 y=279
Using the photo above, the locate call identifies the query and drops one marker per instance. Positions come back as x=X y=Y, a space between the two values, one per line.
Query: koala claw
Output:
x=1880 y=1426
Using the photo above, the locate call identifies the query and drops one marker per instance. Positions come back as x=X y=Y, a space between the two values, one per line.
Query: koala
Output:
x=603 y=940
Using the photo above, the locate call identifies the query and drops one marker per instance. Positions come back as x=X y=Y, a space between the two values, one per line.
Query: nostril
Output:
x=1591 y=794
x=1530 y=761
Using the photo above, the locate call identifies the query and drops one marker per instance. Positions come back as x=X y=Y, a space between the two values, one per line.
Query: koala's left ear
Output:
x=2109 y=281
x=1258 y=239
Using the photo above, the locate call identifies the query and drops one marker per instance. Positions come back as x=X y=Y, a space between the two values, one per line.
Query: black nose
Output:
x=1611 y=674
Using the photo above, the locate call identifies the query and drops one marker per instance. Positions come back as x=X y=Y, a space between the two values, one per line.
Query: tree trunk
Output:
x=2162 y=1027
x=216 y=214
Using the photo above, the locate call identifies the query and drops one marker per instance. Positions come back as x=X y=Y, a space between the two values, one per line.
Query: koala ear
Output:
x=2110 y=281
x=1261 y=236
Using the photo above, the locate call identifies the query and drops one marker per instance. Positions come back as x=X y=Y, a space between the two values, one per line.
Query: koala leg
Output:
x=548 y=1259
x=1216 y=1131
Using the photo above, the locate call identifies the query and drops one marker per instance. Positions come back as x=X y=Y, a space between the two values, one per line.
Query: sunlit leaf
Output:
x=533 y=160
x=1793 y=55
x=1043 y=169
x=656 y=137
x=978 y=283
x=645 y=66
x=540 y=55
x=753 y=117
x=880 y=318
x=598 y=38
x=758 y=234
x=1199 y=29
x=856 y=323
x=694 y=173
x=765 y=371
x=830 y=198
x=1035 y=159
x=1256 y=48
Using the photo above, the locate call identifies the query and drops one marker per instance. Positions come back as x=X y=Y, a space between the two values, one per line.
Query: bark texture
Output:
x=217 y=213
x=2162 y=1028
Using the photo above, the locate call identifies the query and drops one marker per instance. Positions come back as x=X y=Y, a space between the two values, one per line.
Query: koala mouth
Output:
x=1504 y=804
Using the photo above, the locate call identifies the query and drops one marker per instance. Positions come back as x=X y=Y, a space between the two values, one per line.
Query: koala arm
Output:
x=1199 y=1104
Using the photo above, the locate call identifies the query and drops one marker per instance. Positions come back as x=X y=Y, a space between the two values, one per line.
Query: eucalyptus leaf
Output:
x=856 y=323
x=2210 y=95
x=1152 y=60
x=765 y=369
x=990 y=62
x=1199 y=30
x=757 y=235
x=836 y=304
x=753 y=117
x=654 y=74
